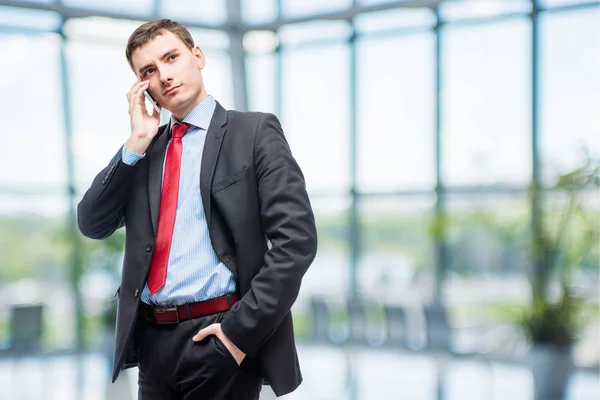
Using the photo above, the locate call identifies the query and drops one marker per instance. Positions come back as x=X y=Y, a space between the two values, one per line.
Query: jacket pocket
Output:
x=230 y=180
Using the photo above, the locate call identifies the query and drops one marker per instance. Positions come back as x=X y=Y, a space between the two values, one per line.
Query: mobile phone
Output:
x=151 y=100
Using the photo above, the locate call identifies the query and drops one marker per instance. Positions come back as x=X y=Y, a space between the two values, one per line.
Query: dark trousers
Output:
x=174 y=367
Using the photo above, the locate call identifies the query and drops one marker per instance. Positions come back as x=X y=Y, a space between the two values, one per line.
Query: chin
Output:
x=176 y=103
x=177 y=108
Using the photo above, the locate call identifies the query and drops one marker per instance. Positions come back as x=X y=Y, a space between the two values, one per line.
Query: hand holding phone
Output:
x=144 y=126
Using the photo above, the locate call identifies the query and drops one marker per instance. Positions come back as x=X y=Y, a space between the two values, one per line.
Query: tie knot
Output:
x=180 y=129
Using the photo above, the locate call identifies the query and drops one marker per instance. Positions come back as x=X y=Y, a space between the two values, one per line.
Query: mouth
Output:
x=171 y=90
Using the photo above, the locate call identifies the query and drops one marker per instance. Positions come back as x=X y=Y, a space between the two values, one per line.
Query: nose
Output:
x=164 y=76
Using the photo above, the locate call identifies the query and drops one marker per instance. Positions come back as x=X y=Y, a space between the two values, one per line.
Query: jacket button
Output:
x=149 y=247
x=136 y=294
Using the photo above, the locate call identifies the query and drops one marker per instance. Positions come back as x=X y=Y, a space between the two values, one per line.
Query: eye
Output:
x=148 y=71
x=172 y=56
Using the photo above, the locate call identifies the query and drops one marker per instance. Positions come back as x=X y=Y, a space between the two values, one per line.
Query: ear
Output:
x=200 y=60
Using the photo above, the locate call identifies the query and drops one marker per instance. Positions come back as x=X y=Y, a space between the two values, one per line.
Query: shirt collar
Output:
x=201 y=115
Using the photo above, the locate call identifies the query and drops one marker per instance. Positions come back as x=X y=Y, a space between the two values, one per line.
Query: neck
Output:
x=183 y=112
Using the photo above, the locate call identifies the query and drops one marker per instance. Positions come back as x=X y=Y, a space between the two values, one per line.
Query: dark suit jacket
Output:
x=253 y=193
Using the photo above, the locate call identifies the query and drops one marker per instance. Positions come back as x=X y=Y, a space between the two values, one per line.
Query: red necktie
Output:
x=168 y=208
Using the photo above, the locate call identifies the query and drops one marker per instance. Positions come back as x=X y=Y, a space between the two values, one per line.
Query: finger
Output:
x=134 y=88
x=200 y=335
x=131 y=95
x=132 y=92
x=137 y=99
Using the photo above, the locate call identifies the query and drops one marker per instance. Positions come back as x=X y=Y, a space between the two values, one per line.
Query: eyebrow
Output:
x=167 y=54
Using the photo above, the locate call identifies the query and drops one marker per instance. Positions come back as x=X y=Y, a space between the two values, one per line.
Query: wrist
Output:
x=137 y=146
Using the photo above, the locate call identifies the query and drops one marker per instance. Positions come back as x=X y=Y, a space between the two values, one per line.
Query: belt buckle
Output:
x=162 y=310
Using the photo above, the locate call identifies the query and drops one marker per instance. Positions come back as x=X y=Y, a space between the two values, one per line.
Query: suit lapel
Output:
x=212 y=147
x=156 y=162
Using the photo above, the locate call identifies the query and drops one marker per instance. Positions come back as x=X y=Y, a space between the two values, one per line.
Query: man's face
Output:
x=173 y=71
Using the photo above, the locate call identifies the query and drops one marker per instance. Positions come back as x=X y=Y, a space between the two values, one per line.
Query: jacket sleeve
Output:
x=101 y=210
x=289 y=224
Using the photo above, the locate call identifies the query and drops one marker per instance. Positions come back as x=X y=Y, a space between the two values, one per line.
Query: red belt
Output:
x=174 y=315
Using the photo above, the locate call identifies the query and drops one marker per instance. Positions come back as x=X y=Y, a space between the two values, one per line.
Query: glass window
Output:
x=398 y=257
x=33 y=148
x=558 y=3
x=210 y=39
x=27 y=226
x=394 y=19
x=329 y=275
x=461 y=9
x=396 y=113
x=256 y=42
x=100 y=29
x=256 y=12
x=213 y=12
x=99 y=80
x=486 y=103
x=315 y=114
x=488 y=233
x=314 y=31
x=569 y=87
x=35 y=258
x=295 y=8
x=375 y=2
x=142 y=7
x=32 y=206
x=489 y=262
x=32 y=19
x=260 y=70
x=217 y=77
x=117 y=32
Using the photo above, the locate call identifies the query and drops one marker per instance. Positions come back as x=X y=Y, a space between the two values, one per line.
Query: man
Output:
x=219 y=232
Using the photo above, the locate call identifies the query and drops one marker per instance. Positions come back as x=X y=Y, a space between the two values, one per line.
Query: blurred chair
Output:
x=406 y=326
x=25 y=330
x=330 y=322
x=319 y=314
x=367 y=321
x=438 y=328
x=396 y=324
x=357 y=320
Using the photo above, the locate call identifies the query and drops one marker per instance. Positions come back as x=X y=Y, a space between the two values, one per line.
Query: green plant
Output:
x=564 y=240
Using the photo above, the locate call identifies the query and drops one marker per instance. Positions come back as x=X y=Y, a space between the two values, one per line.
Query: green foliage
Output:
x=559 y=250
x=553 y=323
x=566 y=240
x=30 y=247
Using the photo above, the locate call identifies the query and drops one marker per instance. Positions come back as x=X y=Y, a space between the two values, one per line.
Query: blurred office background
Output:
x=450 y=150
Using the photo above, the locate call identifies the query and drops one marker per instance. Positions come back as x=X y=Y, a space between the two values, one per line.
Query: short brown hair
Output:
x=148 y=31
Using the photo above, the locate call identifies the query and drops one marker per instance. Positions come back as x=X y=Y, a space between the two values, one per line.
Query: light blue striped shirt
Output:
x=195 y=272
